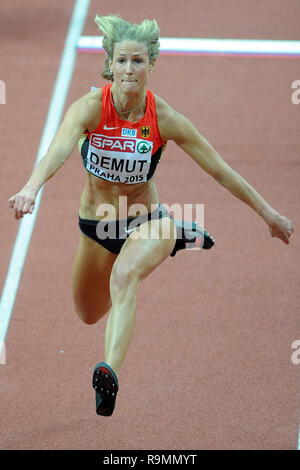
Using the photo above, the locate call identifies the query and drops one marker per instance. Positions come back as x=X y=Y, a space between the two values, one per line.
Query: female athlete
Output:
x=122 y=130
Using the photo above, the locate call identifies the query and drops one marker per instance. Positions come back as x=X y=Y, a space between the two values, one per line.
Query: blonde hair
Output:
x=115 y=29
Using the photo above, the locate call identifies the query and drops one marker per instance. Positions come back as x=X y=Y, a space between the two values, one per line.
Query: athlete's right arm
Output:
x=75 y=122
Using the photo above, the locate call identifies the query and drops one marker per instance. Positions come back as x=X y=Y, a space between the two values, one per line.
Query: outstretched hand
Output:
x=281 y=227
x=22 y=202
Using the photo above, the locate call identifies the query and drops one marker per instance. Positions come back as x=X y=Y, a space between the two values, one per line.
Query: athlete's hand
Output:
x=23 y=202
x=281 y=227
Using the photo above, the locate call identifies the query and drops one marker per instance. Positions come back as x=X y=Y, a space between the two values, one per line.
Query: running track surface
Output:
x=210 y=364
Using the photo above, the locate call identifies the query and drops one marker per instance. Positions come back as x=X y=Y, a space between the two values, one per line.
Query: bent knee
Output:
x=123 y=275
x=89 y=318
x=90 y=315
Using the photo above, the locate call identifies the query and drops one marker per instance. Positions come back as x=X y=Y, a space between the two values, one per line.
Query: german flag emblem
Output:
x=145 y=131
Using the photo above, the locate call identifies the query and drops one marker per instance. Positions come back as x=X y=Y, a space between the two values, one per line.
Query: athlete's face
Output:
x=131 y=66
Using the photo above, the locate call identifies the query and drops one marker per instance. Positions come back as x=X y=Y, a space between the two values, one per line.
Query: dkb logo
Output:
x=2 y=92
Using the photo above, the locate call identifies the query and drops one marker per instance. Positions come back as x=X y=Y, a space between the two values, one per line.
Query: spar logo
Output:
x=143 y=147
x=113 y=143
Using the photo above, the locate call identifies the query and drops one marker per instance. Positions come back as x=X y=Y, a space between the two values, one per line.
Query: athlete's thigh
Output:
x=90 y=279
x=145 y=249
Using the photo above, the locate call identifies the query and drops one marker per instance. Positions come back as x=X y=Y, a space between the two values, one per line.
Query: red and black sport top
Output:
x=122 y=151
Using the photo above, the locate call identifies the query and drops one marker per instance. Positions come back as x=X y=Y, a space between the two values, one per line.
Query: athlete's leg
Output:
x=137 y=259
x=90 y=280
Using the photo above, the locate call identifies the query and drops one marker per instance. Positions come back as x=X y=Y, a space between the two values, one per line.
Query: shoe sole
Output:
x=106 y=386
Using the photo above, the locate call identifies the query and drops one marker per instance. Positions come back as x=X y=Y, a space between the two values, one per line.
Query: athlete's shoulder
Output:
x=163 y=109
x=87 y=108
x=91 y=100
x=167 y=119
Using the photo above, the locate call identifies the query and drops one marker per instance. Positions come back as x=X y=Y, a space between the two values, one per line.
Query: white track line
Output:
x=208 y=46
x=53 y=120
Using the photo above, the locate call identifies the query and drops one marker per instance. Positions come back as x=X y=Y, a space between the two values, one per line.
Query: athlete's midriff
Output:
x=121 y=197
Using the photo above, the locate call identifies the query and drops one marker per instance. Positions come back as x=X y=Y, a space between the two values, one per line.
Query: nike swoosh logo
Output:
x=109 y=128
x=129 y=230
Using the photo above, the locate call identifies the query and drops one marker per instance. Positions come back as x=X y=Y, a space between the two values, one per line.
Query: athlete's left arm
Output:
x=187 y=137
